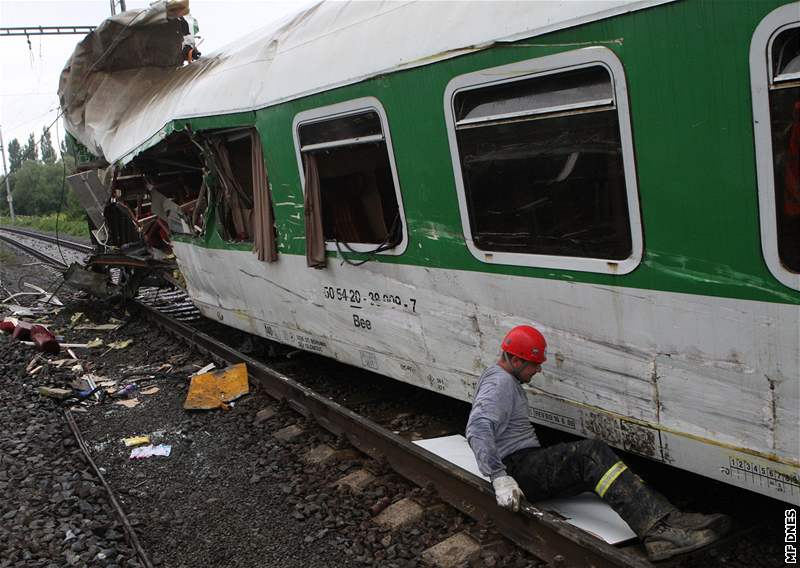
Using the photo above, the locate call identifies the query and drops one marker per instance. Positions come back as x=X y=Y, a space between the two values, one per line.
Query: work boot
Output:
x=678 y=533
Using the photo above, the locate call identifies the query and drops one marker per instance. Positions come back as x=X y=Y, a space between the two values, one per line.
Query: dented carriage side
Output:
x=682 y=346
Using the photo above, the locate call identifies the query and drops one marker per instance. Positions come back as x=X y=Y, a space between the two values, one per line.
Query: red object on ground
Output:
x=7 y=326
x=44 y=340
x=22 y=332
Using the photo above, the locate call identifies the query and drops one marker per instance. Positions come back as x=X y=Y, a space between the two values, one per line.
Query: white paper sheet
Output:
x=586 y=511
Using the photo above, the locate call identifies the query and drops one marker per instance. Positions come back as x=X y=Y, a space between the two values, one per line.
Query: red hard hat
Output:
x=525 y=342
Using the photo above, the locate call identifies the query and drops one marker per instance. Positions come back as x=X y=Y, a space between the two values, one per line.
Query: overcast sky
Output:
x=29 y=71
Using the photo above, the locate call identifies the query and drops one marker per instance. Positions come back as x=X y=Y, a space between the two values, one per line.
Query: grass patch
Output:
x=76 y=227
x=6 y=256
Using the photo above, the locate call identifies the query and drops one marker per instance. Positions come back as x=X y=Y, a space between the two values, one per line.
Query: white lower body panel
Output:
x=707 y=384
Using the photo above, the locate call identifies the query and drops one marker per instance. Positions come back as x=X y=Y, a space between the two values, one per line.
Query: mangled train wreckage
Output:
x=394 y=185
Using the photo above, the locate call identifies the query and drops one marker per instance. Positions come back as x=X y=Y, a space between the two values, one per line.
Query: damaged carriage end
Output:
x=185 y=185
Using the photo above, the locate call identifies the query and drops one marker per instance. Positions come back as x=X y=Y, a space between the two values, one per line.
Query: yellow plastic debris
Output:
x=214 y=389
x=96 y=342
x=136 y=441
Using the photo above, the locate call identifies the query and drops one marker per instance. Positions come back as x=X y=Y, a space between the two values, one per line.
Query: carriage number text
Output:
x=374 y=298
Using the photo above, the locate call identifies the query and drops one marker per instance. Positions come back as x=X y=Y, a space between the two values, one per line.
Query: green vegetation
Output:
x=39 y=188
x=67 y=225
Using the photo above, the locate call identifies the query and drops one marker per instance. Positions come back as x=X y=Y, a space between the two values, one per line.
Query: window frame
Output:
x=540 y=67
x=232 y=134
x=339 y=110
x=777 y=21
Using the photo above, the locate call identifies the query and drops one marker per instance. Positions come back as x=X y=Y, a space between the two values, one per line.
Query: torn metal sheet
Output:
x=169 y=211
x=91 y=193
x=212 y=390
x=94 y=283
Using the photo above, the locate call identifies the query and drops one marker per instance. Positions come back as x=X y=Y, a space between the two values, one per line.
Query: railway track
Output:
x=544 y=535
x=66 y=243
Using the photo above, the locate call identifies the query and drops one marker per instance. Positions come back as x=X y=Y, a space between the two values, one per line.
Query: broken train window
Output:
x=179 y=185
x=158 y=193
x=351 y=191
x=542 y=164
x=236 y=181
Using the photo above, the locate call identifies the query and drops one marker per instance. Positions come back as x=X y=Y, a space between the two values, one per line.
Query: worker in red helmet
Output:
x=509 y=453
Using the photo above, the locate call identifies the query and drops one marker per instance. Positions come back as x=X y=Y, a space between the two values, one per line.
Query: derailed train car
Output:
x=394 y=185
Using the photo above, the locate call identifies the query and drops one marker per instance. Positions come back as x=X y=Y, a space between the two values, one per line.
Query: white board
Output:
x=586 y=511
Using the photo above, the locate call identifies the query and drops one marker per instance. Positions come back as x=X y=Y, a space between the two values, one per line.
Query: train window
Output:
x=232 y=173
x=352 y=199
x=775 y=84
x=544 y=163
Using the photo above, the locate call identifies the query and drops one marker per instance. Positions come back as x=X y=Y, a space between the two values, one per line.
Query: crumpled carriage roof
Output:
x=326 y=45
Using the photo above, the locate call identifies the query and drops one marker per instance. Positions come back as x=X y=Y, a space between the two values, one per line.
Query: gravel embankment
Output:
x=230 y=494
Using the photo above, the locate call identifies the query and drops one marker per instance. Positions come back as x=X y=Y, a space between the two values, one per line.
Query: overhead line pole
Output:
x=5 y=173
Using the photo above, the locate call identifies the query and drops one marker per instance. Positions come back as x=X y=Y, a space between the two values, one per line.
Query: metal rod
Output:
x=113 y=498
x=9 y=198
x=46 y=30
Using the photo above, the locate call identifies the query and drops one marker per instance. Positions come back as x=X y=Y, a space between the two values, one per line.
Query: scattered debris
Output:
x=122 y=344
x=136 y=441
x=53 y=392
x=95 y=343
x=150 y=450
x=8 y=325
x=213 y=390
x=151 y=390
x=44 y=340
x=128 y=391
x=76 y=317
x=130 y=403
x=98 y=327
x=205 y=369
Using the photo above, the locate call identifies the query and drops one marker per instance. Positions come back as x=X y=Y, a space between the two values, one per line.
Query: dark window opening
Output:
x=358 y=200
x=345 y=128
x=784 y=101
x=161 y=190
x=231 y=173
x=545 y=183
x=174 y=187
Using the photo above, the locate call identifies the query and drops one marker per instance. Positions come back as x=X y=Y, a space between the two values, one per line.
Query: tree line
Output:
x=36 y=178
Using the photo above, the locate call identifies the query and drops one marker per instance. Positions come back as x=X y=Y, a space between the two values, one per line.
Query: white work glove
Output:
x=507 y=492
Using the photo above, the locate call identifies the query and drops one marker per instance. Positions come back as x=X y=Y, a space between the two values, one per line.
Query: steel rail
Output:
x=539 y=532
x=80 y=247
x=35 y=253
x=126 y=524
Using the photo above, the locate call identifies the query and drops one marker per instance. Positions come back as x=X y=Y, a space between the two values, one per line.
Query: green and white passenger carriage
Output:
x=395 y=185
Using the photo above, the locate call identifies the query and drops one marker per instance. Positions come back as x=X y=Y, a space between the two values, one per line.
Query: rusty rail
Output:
x=539 y=532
